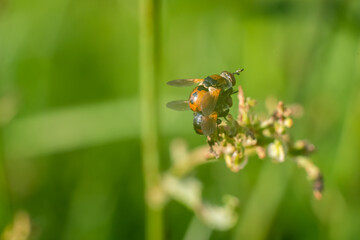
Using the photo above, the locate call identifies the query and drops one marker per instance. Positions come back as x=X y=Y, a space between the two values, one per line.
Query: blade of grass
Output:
x=262 y=206
x=70 y=128
x=80 y=127
x=148 y=118
x=197 y=230
x=6 y=207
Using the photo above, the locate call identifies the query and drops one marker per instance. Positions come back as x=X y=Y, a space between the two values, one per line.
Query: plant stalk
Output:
x=148 y=121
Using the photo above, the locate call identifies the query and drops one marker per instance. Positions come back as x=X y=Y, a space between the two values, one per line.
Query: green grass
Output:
x=70 y=147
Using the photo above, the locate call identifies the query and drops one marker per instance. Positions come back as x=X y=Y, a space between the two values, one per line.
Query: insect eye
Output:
x=229 y=77
x=232 y=79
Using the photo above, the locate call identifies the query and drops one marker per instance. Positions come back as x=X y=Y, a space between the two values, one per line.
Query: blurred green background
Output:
x=69 y=113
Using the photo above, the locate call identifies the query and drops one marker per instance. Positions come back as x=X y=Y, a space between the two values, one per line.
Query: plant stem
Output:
x=6 y=203
x=149 y=128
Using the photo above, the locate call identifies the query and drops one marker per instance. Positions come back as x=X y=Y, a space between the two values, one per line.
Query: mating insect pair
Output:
x=209 y=101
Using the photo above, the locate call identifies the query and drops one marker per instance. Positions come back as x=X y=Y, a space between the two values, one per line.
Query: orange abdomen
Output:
x=195 y=98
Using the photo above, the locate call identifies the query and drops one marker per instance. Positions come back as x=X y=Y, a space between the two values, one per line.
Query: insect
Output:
x=205 y=124
x=209 y=100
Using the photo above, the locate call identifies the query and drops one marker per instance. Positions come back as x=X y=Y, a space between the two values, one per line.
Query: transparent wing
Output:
x=184 y=82
x=209 y=101
x=179 y=105
x=208 y=125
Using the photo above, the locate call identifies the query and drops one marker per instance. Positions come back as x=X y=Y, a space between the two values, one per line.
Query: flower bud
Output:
x=288 y=122
x=276 y=151
x=236 y=161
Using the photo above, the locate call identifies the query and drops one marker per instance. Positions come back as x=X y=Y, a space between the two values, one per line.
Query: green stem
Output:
x=149 y=128
x=6 y=207
x=197 y=230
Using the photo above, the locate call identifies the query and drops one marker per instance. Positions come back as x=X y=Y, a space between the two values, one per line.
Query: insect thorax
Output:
x=214 y=81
